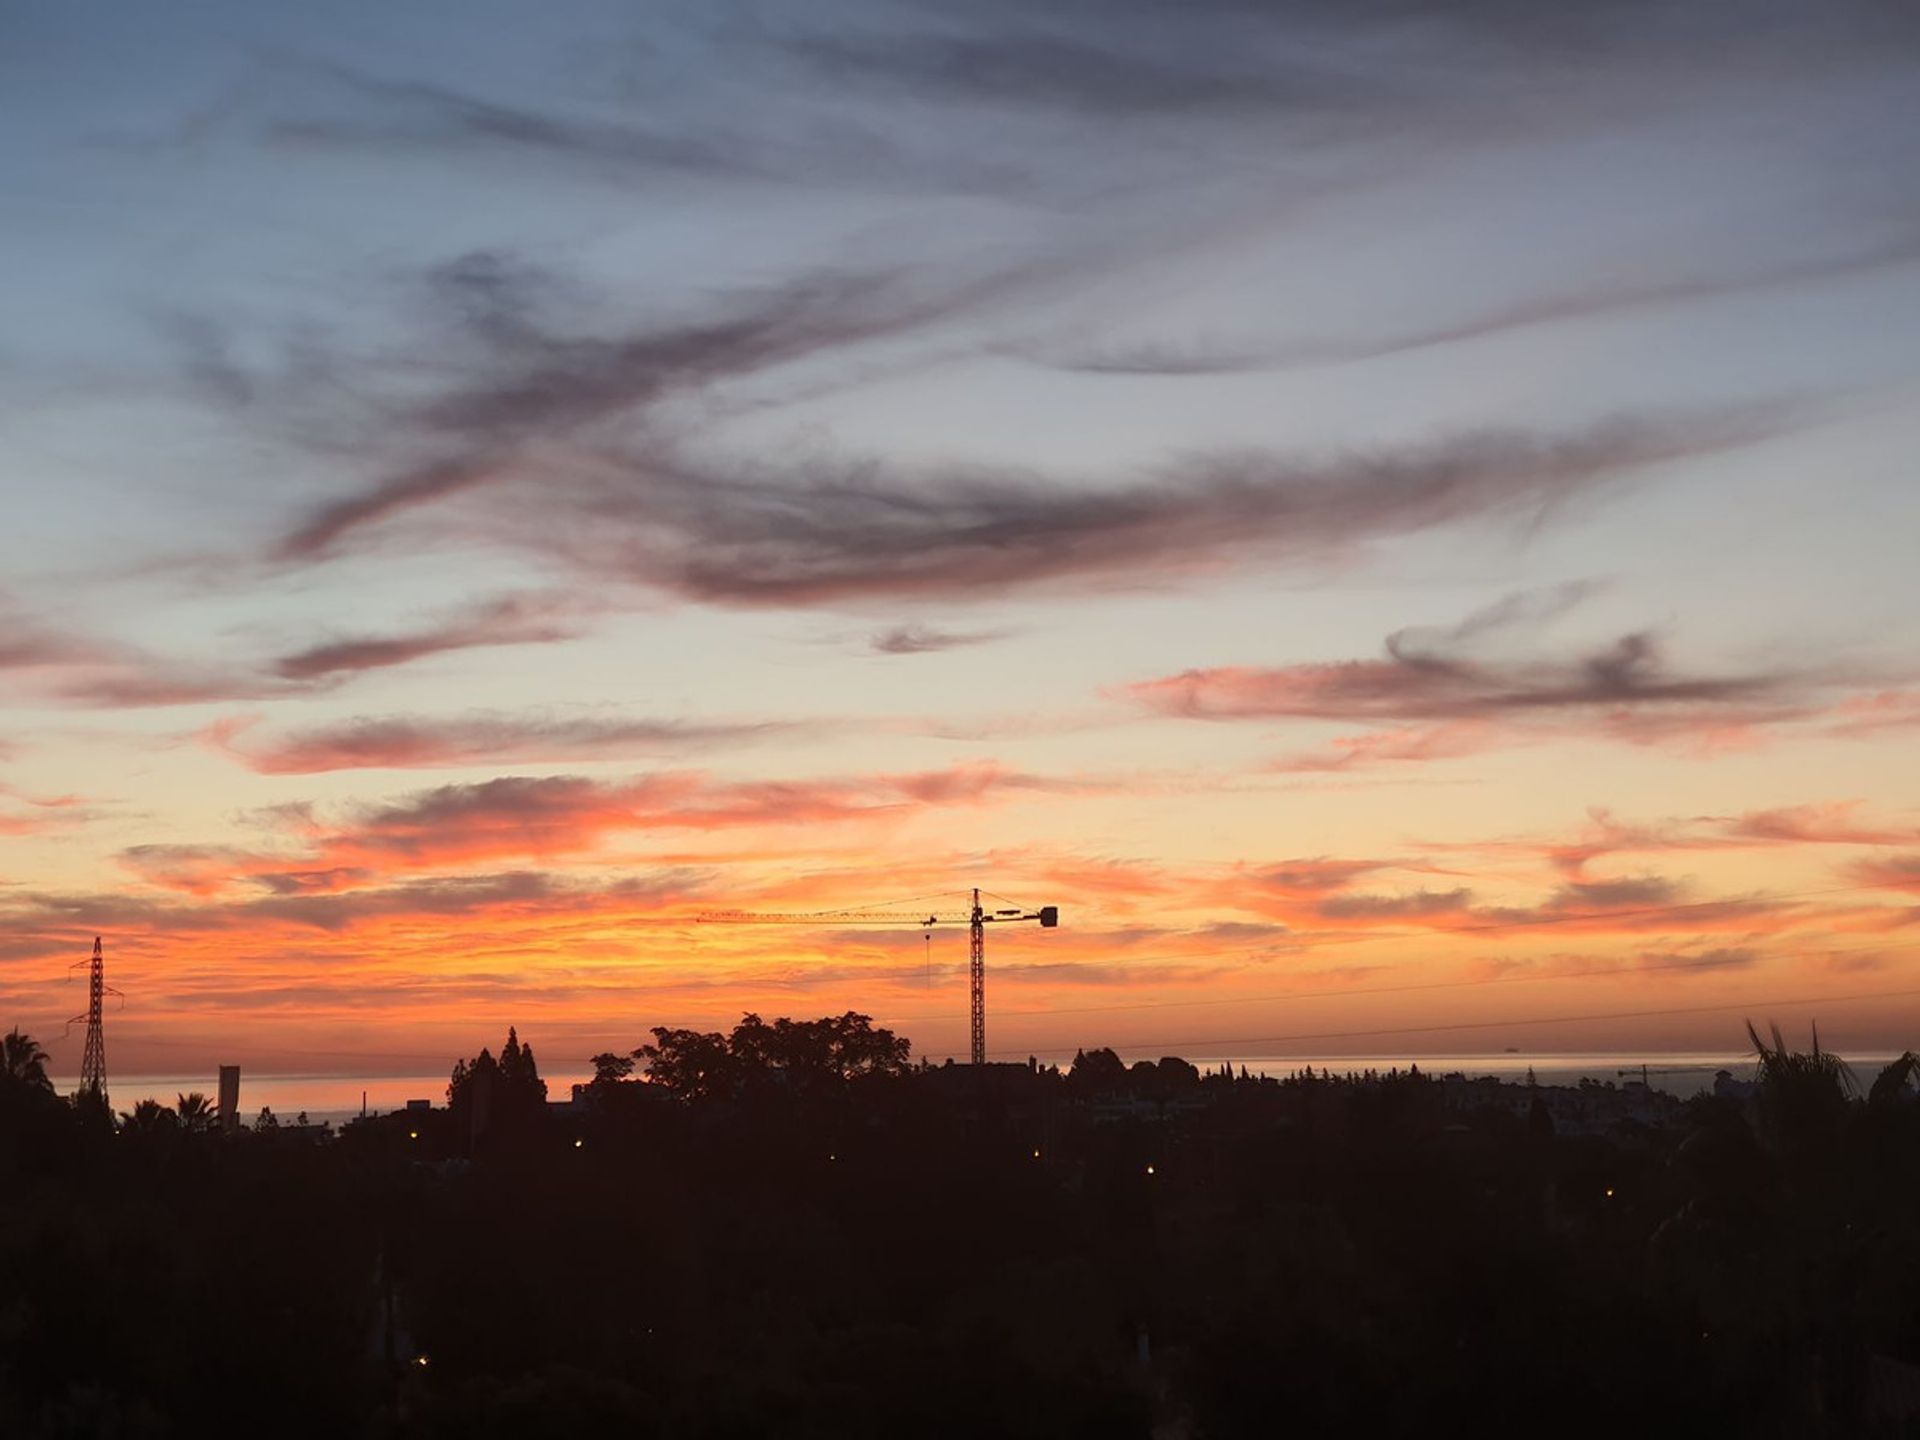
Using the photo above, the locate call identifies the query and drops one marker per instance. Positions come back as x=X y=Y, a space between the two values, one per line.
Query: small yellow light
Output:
x=1609 y=1192
x=413 y=1134
x=1149 y=1169
x=1036 y=1154
x=421 y=1361
x=833 y=1157
x=578 y=1143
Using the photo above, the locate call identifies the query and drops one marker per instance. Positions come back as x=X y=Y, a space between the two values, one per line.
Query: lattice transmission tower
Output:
x=93 y=1061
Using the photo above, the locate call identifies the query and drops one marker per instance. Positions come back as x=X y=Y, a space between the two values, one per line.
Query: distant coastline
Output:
x=337 y=1097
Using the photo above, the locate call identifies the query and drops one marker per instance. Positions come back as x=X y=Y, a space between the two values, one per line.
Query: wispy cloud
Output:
x=190 y=869
x=529 y=381
x=1414 y=904
x=925 y=639
x=29 y=643
x=54 y=923
x=1624 y=690
x=1901 y=247
x=1605 y=835
x=1094 y=71
x=754 y=538
x=1300 y=59
x=1891 y=872
x=1627 y=672
x=1878 y=713
x=1723 y=957
x=522 y=619
x=1440 y=693
x=550 y=437
x=389 y=115
x=1833 y=823
x=612 y=137
x=479 y=738
x=42 y=663
x=136 y=681
x=570 y=815
x=1414 y=744
x=413 y=486
x=1644 y=903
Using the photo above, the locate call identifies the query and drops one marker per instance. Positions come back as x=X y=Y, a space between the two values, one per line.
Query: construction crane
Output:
x=1646 y=1073
x=976 y=920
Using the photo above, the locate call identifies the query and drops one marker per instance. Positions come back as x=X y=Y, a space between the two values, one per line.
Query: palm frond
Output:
x=1890 y=1086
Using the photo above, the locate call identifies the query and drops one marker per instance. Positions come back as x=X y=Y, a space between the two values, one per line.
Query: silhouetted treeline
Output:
x=790 y=1230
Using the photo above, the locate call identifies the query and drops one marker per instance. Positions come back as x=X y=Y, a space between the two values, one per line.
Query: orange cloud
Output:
x=555 y=816
x=1894 y=872
x=1830 y=824
x=1413 y=744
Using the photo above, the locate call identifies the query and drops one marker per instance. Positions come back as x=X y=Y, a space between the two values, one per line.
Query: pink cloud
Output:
x=1411 y=744
x=1892 y=872
x=561 y=815
x=480 y=738
x=1442 y=692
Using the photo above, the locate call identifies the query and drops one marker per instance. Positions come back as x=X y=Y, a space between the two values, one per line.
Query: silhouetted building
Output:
x=230 y=1098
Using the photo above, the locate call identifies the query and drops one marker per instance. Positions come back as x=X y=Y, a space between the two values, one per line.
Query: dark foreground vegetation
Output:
x=790 y=1231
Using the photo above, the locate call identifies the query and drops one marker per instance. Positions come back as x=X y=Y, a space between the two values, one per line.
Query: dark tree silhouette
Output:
x=688 y=1064
x=1097 y=1070
x=198 y=1115
x=519 y=1075
x=837 y=1047
x=610 y=1069
x=1894 y=1084
x=500 y=1098
x=149 y=1117
x=800 y=1056
x=1803 y=1095
x=23 y=1062
x=848 y=1247
x=467 y=1076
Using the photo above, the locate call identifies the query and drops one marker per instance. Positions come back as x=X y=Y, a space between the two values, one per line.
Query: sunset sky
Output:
x=1401 y=520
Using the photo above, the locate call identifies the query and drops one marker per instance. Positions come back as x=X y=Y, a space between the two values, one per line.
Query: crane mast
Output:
x=977 y=980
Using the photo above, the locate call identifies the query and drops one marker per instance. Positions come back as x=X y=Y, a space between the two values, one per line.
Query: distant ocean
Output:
x=337 y=1098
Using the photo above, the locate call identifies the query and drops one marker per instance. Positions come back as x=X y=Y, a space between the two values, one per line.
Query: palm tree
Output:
x=1819 y=1068
x=1803 y=1096
x=1890 y=1088
x=148 y=1117
x=196 y=1112
x=23 y=1062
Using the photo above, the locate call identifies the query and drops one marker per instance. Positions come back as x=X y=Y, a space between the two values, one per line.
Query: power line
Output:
x=1531 y=1020
x=1689 y=965
x=1307 y=945
x=1648 y=910
x=1736 y=962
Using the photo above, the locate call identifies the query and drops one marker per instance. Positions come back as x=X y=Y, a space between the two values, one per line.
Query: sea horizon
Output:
x=336 y=1097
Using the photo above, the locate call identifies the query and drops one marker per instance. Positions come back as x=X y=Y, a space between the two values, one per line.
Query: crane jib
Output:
x=975 y=919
